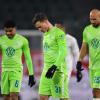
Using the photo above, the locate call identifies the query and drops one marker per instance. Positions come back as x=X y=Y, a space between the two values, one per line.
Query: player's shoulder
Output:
x=58 y=30
x=21 y=36
x=88 y=27
x=70 y=37
x=2 y=36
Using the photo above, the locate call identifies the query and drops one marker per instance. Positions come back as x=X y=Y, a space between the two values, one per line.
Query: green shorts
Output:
x=57 y=87
x=95 y=78
x=11 y=81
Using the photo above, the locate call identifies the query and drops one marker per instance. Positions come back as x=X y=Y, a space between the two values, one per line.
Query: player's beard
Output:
x=10 y=36
x=95 y=25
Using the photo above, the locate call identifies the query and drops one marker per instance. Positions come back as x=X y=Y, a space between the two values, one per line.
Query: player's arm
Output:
x=61 y=41
x=84 y=48
x=83 y=53
x=27 y=55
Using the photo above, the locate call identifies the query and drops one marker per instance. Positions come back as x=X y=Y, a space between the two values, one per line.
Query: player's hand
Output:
x=31 y=81
x=79 y=76
x=51 y=71
x=79 y=71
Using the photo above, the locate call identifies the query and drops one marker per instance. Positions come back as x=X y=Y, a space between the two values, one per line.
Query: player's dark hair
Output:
x=9 y=23
x=39 y=17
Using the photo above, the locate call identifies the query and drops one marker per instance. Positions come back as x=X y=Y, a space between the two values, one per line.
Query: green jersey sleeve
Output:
x=61 y=41
x=27 y=55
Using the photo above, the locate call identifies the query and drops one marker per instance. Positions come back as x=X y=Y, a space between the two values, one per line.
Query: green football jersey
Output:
x=91 y=36
x=54 y=48
x=12 y=50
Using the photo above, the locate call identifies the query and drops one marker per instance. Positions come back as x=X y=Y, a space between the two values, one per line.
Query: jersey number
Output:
x=16 y=83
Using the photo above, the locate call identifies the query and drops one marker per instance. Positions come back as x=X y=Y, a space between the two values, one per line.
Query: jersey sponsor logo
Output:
x=10 y=51
x=97 y=79
x=46 y=46
x=95 y=43
x=57 y=89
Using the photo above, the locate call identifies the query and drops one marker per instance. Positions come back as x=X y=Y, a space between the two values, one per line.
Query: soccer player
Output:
x=54 y=79
x=91 y=45
x=73 y=49
x=12 y=45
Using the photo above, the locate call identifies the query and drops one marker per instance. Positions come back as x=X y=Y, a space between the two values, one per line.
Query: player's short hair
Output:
x=39 y=17
x=9 y=23
x=95 y=10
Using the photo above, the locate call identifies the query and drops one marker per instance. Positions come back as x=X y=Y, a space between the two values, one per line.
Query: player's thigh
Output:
x=14 y=95
x=96 y=93
x=5 y=86
x=94 y=78
x=44 y=85
x=59 y=86
x=15 y=81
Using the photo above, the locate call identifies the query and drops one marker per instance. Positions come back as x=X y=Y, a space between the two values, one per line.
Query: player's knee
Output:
x=7 y=97
x=43 y=97
x=14 y=96
x=96 y=93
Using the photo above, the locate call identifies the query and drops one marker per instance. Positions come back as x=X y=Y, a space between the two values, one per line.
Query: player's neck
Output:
x=11 y=36
x=49 y=26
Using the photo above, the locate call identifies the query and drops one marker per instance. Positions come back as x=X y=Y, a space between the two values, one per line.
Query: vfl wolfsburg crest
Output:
x=61 y=37
x=46 y=46
x=10 y=51
x=95 y=43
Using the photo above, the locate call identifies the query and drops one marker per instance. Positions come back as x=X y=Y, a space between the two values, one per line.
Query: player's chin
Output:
x=10 y=36
x=95 y=25
x=43 y=31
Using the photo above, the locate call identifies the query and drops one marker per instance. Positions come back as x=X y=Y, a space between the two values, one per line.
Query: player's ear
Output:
x=46 y=21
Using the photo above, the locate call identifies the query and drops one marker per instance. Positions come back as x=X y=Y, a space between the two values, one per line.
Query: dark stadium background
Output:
x=73 y=13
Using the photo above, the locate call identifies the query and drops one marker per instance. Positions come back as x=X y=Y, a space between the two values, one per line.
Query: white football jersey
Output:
x=73 y=53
